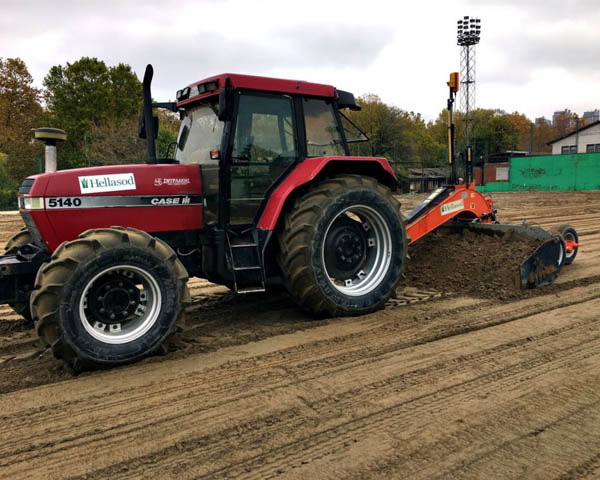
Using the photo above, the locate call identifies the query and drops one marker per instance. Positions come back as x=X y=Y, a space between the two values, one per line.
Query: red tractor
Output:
x=260 y=191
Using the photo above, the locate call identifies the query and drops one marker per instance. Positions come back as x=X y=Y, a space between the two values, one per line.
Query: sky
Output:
x=535 y=56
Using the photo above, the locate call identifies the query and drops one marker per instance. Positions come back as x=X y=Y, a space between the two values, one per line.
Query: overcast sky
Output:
x=535 y=56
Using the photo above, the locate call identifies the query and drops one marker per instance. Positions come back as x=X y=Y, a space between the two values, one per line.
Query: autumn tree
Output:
x=20 y=112
x=522 y=133
x=564 y=123
x=401 y=137
x=543 y=133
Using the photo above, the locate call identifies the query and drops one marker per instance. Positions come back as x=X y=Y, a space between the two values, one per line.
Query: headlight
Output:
x=33 y=203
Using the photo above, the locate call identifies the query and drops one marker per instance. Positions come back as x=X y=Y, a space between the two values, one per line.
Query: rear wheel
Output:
x=569 y=234
x=17 y=241
x=343 y=246
x=110 y=297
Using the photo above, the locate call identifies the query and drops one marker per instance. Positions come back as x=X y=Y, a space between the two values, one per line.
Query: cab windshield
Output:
x=200 y=132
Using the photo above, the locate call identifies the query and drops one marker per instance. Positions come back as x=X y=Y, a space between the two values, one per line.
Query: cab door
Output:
x=265 y=145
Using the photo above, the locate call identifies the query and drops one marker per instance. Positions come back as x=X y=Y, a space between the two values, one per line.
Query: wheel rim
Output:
x=569 y=237
x=120 y=304
x=356 y=263
x=561 y=256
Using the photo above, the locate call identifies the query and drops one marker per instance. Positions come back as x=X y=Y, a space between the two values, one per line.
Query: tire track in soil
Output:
x=177 y=417
x=334 y=438
x=209 y=333
x=495 y=434
x=268 y=382
x=358 y=339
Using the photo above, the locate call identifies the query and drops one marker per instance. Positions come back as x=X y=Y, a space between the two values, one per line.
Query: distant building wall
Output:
x=491 y=172
x=551 y=172
x=578 y=142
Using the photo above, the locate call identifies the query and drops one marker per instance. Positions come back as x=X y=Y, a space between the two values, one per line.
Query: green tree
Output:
x=85 y=97
x=114 y=142
x=401 y=137
x=168 y=128
x=20 y=112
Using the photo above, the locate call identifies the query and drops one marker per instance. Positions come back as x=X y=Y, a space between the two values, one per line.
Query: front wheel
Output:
x=343 y=246
x=110 y=297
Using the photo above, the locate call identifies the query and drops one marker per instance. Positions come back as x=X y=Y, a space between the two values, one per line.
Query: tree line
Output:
x=98 y=106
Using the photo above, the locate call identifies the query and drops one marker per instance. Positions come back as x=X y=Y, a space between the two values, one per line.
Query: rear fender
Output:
x=313 y=169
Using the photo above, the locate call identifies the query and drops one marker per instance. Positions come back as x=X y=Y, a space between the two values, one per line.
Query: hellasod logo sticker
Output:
x=452 y=207
x=106 y=183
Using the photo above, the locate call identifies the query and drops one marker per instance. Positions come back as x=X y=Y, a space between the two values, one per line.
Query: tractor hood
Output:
x=121 y=180
x=57 y=207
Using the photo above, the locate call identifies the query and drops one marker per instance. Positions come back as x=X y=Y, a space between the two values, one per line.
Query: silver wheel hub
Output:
x=569 y=237
x=357 y=250
x=120 y=304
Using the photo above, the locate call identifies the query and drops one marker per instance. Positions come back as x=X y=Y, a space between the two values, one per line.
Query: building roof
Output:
x=574 y=132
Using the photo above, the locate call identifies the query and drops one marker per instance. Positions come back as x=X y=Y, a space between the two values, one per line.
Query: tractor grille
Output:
x=26 y=185
x=30 y=225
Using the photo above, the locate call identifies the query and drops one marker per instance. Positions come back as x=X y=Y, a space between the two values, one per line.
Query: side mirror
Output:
x=142 y=126
x=226 y=102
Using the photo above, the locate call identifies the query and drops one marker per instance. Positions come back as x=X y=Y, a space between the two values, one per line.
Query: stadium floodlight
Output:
x=468 y=35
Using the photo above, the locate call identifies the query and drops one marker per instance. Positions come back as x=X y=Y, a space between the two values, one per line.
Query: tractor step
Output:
x=246 y=262
x=250 y=290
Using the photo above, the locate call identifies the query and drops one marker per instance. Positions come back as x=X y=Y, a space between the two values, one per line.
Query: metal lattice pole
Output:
x=469 y=31
x=467 y=83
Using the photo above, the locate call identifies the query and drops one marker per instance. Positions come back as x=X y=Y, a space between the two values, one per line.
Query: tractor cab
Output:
x=247 y=133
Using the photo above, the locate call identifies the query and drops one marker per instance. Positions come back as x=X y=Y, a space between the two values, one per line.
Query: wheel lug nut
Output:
x=100 y=299
x=102 y=310
x=132 y=302
x=112 y=316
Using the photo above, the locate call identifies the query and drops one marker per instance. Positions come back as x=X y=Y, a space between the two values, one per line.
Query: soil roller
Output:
x=459 y=207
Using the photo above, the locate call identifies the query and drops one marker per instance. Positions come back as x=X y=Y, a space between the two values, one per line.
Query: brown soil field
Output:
x=448 y=381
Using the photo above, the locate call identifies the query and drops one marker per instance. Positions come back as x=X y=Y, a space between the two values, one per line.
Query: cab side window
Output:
x=264 y=146
x=322 y=134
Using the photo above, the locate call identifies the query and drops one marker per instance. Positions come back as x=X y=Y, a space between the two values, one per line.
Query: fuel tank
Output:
x=57 y=207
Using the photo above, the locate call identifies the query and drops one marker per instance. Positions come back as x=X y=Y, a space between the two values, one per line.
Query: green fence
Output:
x=550 y=172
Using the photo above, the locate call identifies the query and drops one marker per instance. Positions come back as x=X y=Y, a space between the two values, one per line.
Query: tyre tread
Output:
x=51 y=278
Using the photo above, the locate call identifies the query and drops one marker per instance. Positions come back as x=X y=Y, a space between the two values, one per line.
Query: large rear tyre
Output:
x=343 y=247
x=112 y=296
x=15 y=242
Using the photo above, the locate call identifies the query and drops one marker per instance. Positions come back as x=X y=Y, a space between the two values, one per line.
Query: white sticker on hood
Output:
x=107 y=183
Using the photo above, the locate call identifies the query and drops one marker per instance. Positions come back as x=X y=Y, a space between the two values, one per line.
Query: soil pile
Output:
x=469 y=263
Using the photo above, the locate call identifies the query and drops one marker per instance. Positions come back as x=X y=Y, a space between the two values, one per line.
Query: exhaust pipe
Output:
x=149 y=126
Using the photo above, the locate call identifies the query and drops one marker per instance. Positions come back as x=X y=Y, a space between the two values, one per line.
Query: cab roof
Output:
x=252 y=82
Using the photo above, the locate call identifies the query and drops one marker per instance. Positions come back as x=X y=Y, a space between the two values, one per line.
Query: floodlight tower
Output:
x=468 y=34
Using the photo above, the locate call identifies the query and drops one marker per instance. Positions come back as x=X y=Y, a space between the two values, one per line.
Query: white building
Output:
x=584 y=140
